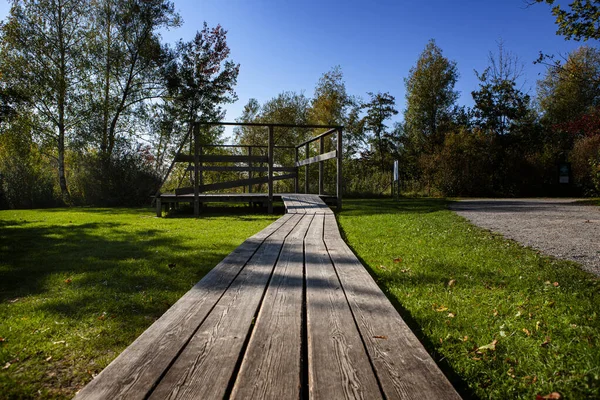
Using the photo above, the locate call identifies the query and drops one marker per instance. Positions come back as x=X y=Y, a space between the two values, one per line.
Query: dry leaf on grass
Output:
x=397 y=260
x=490 y=346
x=452 y=282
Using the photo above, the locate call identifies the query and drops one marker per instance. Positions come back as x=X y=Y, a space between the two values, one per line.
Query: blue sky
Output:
x=288 y=44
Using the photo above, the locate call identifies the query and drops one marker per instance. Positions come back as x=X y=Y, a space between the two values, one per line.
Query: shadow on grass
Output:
x=365 y=207
x=96 y=254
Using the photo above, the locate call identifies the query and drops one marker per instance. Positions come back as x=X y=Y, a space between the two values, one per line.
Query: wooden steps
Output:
x=291 y=313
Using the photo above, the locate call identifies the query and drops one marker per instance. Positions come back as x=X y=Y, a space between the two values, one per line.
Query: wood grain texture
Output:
x=137 y=369
x=315 y=159
x=271 y=368
x=403 y=366
x=205 y=367
x=338 y=364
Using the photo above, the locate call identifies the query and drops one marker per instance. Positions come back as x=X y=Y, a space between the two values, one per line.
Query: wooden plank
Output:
x=318 y=137
x=320 y=157
x=338 y=364
x=403 y=366
x=205 y=366
x=221 y=158
x=292 y=205
x=271 y=368
x=231 y=184
x=138 y=368
x=242 y=168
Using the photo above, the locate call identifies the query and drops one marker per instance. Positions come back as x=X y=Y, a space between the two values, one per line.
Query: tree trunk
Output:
x=62 y=98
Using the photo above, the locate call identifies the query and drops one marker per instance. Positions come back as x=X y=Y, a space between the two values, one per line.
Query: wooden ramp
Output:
x=290 y=314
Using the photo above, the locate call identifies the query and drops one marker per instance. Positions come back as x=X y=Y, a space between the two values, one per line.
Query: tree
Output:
x=430 y=97
x=331 y=102
x=379 y=109
x=43 y=42
x=127 y=64
x=581 y=22
x=202 y=79
x=498 y=102
x=571 y=90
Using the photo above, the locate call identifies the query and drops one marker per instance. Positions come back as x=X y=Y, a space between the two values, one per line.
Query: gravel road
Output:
x=558 y=227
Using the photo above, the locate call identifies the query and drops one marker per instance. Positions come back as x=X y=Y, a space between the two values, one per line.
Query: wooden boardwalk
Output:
x=289 y=314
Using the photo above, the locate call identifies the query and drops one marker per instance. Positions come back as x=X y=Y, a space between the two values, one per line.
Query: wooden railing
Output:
x=254 y=162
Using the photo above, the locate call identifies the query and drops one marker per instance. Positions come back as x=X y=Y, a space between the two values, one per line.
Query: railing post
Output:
x=270 y=168
x=339 y=170
x=297 y=179
x=196 y=171
x=321 y=149
x=306 y=170
x=250 y=166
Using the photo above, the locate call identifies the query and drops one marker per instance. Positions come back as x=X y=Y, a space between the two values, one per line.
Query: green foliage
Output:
x=430 y=97
x=26 y=180
x=569 y=90
x=580 y=22
x=380 y=108
x=585 y=161
x=78 y=286
x=461 y=288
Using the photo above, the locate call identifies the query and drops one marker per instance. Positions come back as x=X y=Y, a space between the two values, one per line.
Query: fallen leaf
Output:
x=511 y=372
x=555 y=284
x=491 y=346
x=14 y=300
x=551 y=396
x=527 y=331
x=397 y=260
x=383 y=267
x=464 y=339
x=476 y=359
x=2 y=340
x=546 y=342
x=451 y=315
x=404 y=271
x=6 y=366
x=452 y=282
x=495 y=313
x=380 y=337
x=441 y=309
x=59 y=342
x=67 y=281
x=49 y=358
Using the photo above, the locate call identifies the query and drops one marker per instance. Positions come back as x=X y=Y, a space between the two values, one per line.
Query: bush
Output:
x=127 y=179
x=585 y=161
x=26 y=176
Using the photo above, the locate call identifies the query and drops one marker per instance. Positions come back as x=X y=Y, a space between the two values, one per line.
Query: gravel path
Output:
x=559 y=227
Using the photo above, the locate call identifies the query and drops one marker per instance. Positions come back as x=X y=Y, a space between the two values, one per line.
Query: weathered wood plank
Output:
x=292 y=205
x=271 y=367
x=320 y=157
x=137 y=369
x=221 y=158
x=241 y=168
x=232 y=184
x=205 y=366
x=403 y=366
x=338 y=364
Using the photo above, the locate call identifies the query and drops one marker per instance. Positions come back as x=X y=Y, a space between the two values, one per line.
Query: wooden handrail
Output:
x=329 y=132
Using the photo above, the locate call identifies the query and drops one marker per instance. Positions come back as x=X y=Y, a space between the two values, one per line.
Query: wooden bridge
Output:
x=290 y=314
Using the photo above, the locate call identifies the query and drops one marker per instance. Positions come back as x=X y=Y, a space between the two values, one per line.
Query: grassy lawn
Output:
x=591 y=202
x=503 y=321
x=78 y=286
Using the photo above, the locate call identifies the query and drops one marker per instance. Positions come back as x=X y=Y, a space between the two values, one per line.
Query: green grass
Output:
x=590 y=202
x=78 y=286
x=461 y=288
